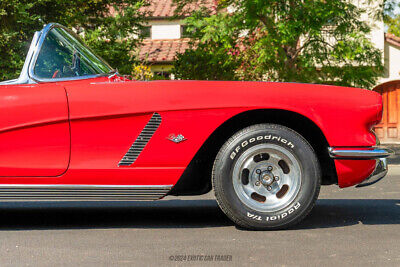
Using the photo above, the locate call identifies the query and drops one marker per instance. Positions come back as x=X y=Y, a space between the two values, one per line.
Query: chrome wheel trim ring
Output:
x=264 y=192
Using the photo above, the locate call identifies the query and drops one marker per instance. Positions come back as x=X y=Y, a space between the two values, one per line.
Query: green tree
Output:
x=111 y=36
x=204 y=64
x=211 y=56
x=314 y=41
x=393 y=25
x=392 y=20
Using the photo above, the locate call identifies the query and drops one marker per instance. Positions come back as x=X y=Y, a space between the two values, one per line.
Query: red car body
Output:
x=70 y=130
x=76 y=132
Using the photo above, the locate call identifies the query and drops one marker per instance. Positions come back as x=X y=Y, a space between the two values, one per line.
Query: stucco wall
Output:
x=165 y=29
x=392 y=63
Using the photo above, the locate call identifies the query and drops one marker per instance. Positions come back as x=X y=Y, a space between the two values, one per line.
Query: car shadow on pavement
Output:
x=327 y=213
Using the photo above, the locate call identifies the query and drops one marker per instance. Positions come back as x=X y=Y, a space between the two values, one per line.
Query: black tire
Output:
x=255 y=211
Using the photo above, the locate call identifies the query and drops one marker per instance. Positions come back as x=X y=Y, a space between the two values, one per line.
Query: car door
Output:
x=103 y=127
x=34 y=130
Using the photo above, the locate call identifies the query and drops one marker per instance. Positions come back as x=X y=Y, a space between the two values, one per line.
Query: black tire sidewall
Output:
x=283 y=137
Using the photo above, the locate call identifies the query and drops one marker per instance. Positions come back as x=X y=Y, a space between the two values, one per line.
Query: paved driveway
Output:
x=350 y=227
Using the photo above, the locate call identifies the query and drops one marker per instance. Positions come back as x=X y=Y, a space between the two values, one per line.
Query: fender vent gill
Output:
x=141 y=141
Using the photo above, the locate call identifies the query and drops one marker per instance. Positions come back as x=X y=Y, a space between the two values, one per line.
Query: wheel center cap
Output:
x=267 y=180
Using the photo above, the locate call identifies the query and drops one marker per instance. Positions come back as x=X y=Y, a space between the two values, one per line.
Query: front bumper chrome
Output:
x=377 y=153
x=377 y=175
x=357 y=153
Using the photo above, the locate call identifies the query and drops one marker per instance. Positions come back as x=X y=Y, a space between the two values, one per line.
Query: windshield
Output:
x=64 y=55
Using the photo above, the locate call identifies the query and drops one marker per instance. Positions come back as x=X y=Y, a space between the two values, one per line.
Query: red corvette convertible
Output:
x=72 y=128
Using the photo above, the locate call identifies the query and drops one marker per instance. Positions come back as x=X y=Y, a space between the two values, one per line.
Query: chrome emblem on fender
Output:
x=176 y=138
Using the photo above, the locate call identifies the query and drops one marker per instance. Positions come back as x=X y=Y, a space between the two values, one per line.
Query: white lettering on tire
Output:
x=254 y=217
x=274 y=217
x=259 y=138
x=283 y=215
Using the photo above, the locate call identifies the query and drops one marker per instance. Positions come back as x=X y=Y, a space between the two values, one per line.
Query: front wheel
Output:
x=266 y=176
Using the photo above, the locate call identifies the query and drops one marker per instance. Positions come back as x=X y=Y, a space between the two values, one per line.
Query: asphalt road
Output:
x=350 y=227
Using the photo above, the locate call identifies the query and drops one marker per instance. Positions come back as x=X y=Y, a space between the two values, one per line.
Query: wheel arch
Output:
x=196 y=179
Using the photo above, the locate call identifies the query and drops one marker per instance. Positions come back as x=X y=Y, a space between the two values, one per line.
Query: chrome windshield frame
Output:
x=24 y=75
x=28 y=70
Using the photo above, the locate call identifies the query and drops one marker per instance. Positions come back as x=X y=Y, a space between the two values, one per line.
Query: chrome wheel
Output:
x=267 y=177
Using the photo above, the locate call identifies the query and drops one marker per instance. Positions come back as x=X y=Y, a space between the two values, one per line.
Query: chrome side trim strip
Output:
x=82 y=192
x=356 y=153
x=141 y=141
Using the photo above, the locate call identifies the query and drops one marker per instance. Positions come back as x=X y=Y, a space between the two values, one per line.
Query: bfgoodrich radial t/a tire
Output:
x=266 y=176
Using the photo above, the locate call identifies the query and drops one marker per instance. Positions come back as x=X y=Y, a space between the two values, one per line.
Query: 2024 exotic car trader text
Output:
x=72 y=128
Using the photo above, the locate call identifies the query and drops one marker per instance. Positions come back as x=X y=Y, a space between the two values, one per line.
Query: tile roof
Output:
x=166 y=8
x=162 y=51
x=392 y=39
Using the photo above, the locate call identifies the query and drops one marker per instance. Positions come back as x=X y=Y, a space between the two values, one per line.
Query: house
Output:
x=165 y=34
x=388 y=130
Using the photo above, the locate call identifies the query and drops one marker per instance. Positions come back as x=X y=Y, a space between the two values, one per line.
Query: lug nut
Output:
x=276 y=178
x=269 y=188
x=258 y=171
x=258 y=183
x=269 y=168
